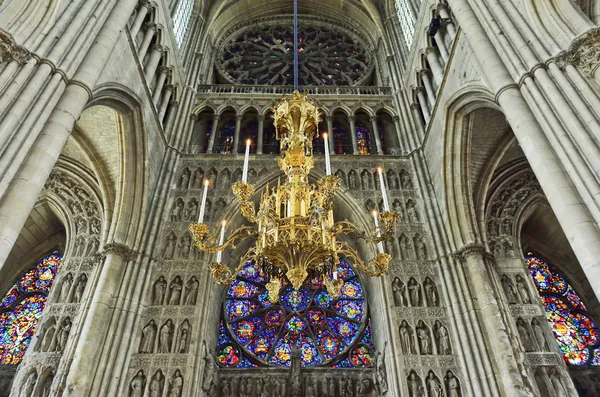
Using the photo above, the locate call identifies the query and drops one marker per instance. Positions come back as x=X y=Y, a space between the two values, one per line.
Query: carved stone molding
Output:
x=583 y=52
x=119 y=249
x=468 y=250
x=10 y=50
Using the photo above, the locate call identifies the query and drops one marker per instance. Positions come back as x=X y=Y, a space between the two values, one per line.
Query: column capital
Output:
x=261 y=117
x=10 y=50
x=151 y=26
x=329 y=117
x=166 y=70
x=583 y=52
x=238 y=117
x=147 y=3
x=473 y=249
x=397 y=118
x=430 y=50
x=424 y=72
x=373 y=118
x=413 y=106
x=121 y=250
x=352 y=118
x=160 y=48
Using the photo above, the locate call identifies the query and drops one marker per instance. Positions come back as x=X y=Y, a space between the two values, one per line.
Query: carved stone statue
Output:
x=191 y=210
x=136 y=387
x=157 y=384
x=63 y=335
x=165 y=337
x=424 y=338
x=367 y=182
x=393 y=180
x=226 y=388
x=65 y=288
x=509 y=290
x=210 y=368
x=191 y=291
x=184 y=179
x=176 y=385
x=380 y=371
x=452 y=385
x=406 y=338
x=245 y=387
x=434 y=386
x=158 y=291
x=559 y=388
x=148 y=337
x=352 y=180
x=398 y=290
x=177 y=211
x=431 y=293
x=420 y=247
x=414 y=291
x=525 y=335
x=80 y=288
x=411 y=212
x=405 y=180
x=48 y=337
x=198 y=177
x=183 y=341
x=406 y=248
x=169 y=249
x=184 y=246
x=443 y=339
x=538 y=332
x=175 y=291
x=415 y=387
x=522 y=288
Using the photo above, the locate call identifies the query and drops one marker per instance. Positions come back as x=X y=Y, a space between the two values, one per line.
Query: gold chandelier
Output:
x=294 y=229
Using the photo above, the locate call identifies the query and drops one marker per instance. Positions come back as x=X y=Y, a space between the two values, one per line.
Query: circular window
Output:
x=264 y=55
x=329 y=332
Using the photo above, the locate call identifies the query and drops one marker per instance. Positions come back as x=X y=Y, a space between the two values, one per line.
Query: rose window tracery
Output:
x=263 y=55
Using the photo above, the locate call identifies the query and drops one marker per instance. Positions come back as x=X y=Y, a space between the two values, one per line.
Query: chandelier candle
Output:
x=386 y=204
x=327 y=159
x=203 y=205
x=221 y=242
x=379 y=244
x=246 y=161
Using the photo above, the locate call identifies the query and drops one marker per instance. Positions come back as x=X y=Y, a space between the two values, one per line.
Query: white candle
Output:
x=221 y=241
x=203 y=205
x=386 y=204
x=327 y=159
x=379 y=244
x=246 y=161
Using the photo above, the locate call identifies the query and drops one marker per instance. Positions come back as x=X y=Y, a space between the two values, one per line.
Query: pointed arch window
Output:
x=181 y=20
x=255 y=332
x=575 y=331
x=21 y=308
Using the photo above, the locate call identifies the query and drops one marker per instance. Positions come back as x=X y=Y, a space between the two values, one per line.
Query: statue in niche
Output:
x=340 y=174
x=443 y=339
x=191 y=291
x=380 y=374
x=81 y=226
x=226 y=388
x=95 y=226
x=414 y=291
x=431 y=293
x=157 y=384
x=406 y=248
x=175 y=291
x=415 y=387
x=352 y=180
x=420 y=248
x=522 y=288
x=48 y=338
x=224 y=180
x=397 y=206
x=559 y=388
x=492 y=227
x=166 y=337
x=506 y=226
x=80 y=246
x=363 y=387
x=177 y=211
x=538 y=332
x=136 y=387
x=509 y=290
x=169 y=249
x=411 y=211
x=393 y=180
x=47 y=386
x=158 y=291
x=367 y=182
x=509 y=248
x=184 y=179
x=176 y=385
x=237 y=175
x=198 y=177
x=434 y=386
x=245 y=387
x=525 y=335
x=148 y=338
x=92 y=247
x=65 y=288
x=389 y=247
x=183 y=340
x=29 y=384
x=212 y=177
x=406 y=339
x=79 y=289
x=424 y=338
x=184 y=246
x=370 y=206
x=210 y=369
x=263 y=172
x=405 y=180
x=310 y=389
x=452 y=385
x=191 y=210
x=63 y=335
x=399 y=292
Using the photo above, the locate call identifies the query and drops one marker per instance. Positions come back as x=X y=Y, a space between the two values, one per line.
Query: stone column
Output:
x=164 y=71
x=148 y=35
x=447 y=20
x=376 y=135
x=433 y=58
x=259 y=138
x=156 y=53
x=423 y=102
x=144 y=8
x=330 y=135
x=236 y=136
x=427 y=83
x=165 y=102
x=213 y=133
x=441 y=45
x=403 y=145
x=353 y=134
x=97 y=321
x=487 y=307
x=171 y=113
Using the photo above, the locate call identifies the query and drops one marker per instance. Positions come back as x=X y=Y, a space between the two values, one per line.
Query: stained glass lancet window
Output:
x=181 y=20
x=21 y=308
x=255 y=332
x=575 y=332
x=406 y=16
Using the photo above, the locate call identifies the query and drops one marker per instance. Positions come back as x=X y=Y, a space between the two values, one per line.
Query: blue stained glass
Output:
x=245 y=330
x=322 y=299
x=237 y=309
x=262 y=343
x=367 y=337
x=351 y=309
x=344 y=328
x=282 y=355
x=295 y=299
x=242 y=289
x=251 y=272
x=345 y=363
x=265 y=299
x=295 y=325
x=344 y=270
x=309 y=352
x=223 y=336
x=245 y=363
x=352 y=289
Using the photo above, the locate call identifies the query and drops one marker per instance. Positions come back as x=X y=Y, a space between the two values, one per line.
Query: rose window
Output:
x=329 y=332
x=265 y=56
